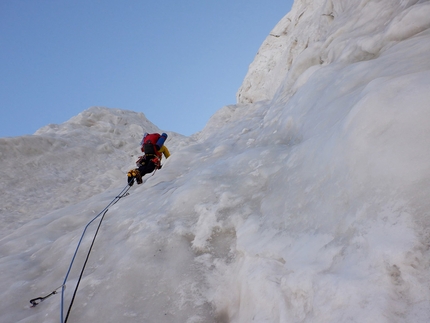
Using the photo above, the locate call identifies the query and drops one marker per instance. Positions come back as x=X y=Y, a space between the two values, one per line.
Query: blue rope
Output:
x=63 y=287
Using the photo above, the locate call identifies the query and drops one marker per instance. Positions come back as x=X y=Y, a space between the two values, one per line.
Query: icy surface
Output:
x=305 y=202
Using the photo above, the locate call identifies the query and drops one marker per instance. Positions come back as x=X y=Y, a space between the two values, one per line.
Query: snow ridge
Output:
x=83 y=157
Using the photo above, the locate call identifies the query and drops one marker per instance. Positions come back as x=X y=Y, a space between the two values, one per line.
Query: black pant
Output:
x=146 y=167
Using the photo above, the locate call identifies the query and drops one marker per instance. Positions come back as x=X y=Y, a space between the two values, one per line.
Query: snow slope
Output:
x=305 y=202
x=82 y=157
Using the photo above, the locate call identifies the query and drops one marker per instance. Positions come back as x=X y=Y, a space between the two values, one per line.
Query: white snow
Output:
x=305 y=202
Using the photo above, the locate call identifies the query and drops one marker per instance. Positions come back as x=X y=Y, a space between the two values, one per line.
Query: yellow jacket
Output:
x=164 y=151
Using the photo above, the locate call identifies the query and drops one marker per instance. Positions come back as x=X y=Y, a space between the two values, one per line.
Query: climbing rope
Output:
x=103 y=212
x=38 y=300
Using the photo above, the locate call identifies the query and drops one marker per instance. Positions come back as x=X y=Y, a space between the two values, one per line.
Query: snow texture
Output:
x=308 y=201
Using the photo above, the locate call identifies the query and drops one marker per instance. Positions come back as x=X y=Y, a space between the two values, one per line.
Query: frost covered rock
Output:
x=317 y=33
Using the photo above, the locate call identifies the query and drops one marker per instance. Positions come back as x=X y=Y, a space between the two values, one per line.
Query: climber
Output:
x=153 y=147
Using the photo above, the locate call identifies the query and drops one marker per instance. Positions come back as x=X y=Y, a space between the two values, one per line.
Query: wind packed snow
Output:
x=308 y=201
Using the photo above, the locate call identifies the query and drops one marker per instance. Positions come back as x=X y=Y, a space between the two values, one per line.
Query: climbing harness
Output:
x=38 y=300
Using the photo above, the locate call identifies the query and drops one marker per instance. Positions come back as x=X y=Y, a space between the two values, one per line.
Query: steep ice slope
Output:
x=309 y=206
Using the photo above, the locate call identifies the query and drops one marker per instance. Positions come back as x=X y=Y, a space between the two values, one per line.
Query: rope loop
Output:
x=36 y=301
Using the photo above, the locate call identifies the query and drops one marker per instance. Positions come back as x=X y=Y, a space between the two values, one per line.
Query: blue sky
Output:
x=178 y=62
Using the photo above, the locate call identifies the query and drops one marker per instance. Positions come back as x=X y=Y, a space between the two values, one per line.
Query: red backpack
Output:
x=148 y=144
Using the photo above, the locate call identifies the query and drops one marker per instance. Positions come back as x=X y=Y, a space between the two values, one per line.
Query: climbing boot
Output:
x=138 y=177
x=130 y=177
